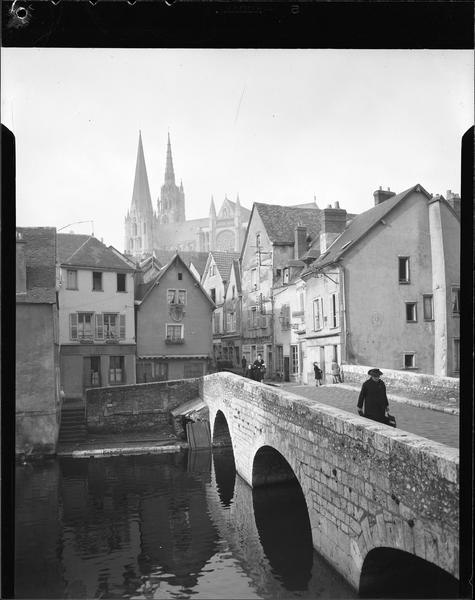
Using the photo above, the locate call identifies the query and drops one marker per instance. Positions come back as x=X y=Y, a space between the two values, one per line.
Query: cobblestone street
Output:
x=432 y=424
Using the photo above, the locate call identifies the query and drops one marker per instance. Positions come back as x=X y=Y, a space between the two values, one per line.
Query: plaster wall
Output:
x=377 y=330
x=153 y=315
x=85 y=300
x=366 y=485
x=36 y=379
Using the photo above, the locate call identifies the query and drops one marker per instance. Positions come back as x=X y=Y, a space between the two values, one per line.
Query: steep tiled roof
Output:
x=197 y=258
x=357 y=228
x=280 y=221
x=86 y=251
x=40 y=261
x=144 y=289
x=224 y=261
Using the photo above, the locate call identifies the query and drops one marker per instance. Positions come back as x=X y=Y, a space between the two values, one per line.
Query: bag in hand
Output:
x=390 y=420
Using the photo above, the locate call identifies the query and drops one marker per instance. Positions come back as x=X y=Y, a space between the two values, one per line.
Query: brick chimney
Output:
x=300 y=237
x=333 y=222
x=20 y=264
x=382 y=195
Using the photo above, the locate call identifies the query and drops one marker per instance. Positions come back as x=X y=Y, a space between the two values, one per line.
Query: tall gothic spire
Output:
x=169 y=173
x=141 y=199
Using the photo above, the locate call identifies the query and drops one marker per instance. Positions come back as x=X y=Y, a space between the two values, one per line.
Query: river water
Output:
x=181 y=525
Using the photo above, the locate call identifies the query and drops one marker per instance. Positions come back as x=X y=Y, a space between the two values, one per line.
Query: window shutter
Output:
x=122 y=327
x=99 y=326
x=73 y=326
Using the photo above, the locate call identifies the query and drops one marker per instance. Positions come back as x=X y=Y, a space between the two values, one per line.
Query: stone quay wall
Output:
x=406 y=383
x=366 y=485
x=137 y=407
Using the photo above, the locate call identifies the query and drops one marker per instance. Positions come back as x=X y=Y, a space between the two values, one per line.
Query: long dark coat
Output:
x=373 y=400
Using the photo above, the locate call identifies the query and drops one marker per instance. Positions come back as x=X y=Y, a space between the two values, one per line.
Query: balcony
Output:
x=174 y=340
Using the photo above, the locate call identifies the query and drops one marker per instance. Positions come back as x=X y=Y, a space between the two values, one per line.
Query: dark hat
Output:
x=375 y=372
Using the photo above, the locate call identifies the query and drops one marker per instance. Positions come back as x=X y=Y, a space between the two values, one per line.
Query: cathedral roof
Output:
x=86 y=251
x=280 y=221
x=141 y=199
x=224 y=262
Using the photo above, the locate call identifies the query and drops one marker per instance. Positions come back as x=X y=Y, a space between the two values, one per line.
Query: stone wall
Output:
x=366 y=485
x=138 y=407
x=405 y=383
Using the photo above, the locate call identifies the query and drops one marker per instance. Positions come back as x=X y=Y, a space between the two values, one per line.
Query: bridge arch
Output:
x=393 y=573
x=221 y=436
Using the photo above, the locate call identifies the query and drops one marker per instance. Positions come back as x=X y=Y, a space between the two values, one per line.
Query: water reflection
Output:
x=165 y=526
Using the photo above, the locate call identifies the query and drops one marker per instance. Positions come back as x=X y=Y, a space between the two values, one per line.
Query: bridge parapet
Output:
x=366 y=485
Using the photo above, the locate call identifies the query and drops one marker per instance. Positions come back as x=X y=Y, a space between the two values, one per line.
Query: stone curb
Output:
x=116 y=451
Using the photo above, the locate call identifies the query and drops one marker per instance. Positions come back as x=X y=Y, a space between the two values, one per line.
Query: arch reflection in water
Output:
x=282 y=519
x=391 y=573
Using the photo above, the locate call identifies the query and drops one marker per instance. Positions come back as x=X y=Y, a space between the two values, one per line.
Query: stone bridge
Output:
x=369 y=489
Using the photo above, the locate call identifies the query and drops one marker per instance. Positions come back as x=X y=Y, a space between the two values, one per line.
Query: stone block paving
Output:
x=442 y=427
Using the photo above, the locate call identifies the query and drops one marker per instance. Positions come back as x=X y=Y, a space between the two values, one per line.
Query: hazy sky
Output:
x=275 y=126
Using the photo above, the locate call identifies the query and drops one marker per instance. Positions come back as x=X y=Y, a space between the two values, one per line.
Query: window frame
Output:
x=317 y=302
x=455 y=294
x=334 y=311
x=414 y=305
x=97 y=289
x=411 y=354
x=425 y=298
x=113 y=378
x=294 y=359
x=407 y=278
x=76 y=316
x=456 y=354
x=174 y=337
x=120 y=275
x=68 y=286
x=176 y=297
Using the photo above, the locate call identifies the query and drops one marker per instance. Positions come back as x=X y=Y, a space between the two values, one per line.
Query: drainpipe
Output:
x=343 y=332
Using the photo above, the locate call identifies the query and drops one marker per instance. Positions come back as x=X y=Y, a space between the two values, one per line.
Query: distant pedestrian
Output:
x=244 y=366
x=373 y=402
x=318 y=374
x=336 y=372
x=259 y=368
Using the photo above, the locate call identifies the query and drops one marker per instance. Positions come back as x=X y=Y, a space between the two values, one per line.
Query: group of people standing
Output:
x=255 y=370
x=336 y=373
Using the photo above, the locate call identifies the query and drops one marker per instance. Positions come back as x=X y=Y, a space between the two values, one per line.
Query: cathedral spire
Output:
x=169 y=173
x=141 y=199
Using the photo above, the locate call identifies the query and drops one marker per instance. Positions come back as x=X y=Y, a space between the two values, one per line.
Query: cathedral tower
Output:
x=139 y=222
x=171 y=203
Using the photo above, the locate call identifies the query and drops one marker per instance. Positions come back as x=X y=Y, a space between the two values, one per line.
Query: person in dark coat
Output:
x=259 y=368
x=318 y=374
x=372 y=401
x=244 y=366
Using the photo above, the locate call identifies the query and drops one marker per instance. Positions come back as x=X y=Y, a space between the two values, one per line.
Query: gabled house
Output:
x=215 y=281
x=231 y=336
x=276 y=238
x=384 y=290
x=37 y=382
x=96 y=315
x=173 y=320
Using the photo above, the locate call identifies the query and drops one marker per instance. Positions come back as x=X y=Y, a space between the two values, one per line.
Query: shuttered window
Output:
x=99 y=327
x=73 y=326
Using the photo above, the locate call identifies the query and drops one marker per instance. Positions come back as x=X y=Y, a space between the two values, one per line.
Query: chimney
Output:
x=382 y=195
x=332 y=224
x=454 y=201
x=300 y=237
x=20 y=264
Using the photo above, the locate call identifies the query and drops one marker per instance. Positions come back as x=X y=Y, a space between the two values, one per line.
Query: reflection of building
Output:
x=167 y=228
x=173 y=314
x=96 y=315
x=37 y=393
x=384 y=290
